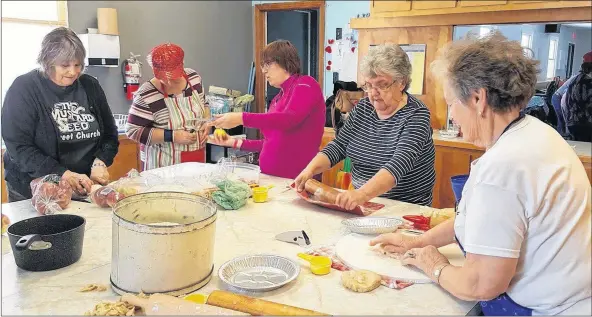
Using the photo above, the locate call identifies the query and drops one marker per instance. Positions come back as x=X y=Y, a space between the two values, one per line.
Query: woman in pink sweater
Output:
x=293 y=125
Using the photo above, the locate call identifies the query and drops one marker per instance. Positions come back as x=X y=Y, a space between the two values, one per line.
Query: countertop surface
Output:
x=250 y=230
x=582 y=149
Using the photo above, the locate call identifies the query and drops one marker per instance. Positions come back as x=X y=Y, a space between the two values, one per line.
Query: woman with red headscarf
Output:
x=169 y=112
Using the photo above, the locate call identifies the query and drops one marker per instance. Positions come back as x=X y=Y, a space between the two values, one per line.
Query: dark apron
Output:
x=502 y=305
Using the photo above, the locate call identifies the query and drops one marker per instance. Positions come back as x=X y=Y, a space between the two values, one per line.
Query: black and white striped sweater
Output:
x=401 y=144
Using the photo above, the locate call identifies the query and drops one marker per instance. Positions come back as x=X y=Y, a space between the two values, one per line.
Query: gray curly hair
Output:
x=387 y=59
x=491 y=62
x=58 y=46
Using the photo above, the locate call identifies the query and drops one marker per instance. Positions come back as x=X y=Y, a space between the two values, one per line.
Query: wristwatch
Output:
x=438 y=271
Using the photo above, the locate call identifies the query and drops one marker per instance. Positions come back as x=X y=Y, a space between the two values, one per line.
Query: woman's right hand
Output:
x=226 y=141
x=184 y=137
x=80 y=183
x=301 y=179
x=397 y=242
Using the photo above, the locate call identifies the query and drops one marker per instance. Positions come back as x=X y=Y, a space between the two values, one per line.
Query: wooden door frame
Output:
x=260 y=42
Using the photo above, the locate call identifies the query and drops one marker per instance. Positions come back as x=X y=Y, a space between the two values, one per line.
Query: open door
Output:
x=303 y=24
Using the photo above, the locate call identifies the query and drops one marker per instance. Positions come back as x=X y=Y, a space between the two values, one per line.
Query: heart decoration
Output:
x=328 y=49
x=331 y=41
x=328 y=67
x=329 y=62
x=353 y=49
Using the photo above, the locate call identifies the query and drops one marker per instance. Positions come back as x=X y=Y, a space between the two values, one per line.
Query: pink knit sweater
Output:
x=292 y=128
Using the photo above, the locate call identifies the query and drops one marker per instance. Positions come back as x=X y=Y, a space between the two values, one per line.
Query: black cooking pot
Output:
x=48 y=242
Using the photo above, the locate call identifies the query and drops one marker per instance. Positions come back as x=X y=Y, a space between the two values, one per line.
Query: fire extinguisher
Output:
x=131 y=70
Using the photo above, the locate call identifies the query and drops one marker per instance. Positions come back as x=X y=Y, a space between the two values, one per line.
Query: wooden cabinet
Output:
x=473 y=3
x=450 y=161
x=384 y=9
x=531 y=1
x=330 y=176
x=128 y=157
x=454 y=158
x=429 y=4
x=379 y=6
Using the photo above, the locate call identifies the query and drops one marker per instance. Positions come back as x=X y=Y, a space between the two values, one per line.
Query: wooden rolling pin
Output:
x=255 y=306
x=325 y=193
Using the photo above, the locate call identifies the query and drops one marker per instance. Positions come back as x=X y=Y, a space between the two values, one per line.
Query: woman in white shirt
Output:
x=524 y=216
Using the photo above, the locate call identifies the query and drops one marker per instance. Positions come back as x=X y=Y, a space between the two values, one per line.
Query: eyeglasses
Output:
x=381 y=88
x=265 y=66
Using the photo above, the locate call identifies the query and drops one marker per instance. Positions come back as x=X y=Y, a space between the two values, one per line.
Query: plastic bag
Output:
x=51 y=194
x=133 y=183
x=219 y=104
x=232 y=194
x=105 y=196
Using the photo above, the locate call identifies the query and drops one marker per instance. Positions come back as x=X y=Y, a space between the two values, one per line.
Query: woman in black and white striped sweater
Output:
x=387 y=136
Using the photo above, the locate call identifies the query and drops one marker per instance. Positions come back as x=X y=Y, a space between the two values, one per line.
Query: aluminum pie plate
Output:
x=259 y=273
x=373 y=225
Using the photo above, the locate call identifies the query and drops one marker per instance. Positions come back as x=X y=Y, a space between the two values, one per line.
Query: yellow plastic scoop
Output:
x=319 y=265
x=260 y=193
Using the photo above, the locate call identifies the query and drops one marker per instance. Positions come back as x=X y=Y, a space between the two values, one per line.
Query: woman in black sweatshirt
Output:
x=56 y=120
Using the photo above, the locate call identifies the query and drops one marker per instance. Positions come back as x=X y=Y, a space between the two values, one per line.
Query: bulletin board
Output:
x=417 y=58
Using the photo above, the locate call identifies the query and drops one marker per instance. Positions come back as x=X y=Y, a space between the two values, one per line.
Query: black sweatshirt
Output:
x=48 y=129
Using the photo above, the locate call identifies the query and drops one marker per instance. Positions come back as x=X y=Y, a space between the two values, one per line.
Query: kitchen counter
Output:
x=582 y=149
x=249 y=230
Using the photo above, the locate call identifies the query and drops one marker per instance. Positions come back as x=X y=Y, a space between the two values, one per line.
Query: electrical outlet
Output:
x=338 y=33
x=335 y=77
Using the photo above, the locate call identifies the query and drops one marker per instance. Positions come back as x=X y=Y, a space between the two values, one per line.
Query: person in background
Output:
x=56 y=120
x=524 y=216
x=294 y=124
x=560 y=92
x=576 y=104
x=387 y=136
x=169 y=112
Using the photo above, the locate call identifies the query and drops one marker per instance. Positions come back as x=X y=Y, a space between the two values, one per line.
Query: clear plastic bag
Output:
x=134 y=183
x=219 y=104
x=233 y=193
x=51 y=194
x=105 y=196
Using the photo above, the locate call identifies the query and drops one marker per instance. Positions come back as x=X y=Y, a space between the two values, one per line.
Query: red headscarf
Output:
x=166 y=61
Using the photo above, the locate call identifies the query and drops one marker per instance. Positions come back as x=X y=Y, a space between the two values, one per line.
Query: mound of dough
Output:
x=360 y=281
x=112 y=309
x=93 y=287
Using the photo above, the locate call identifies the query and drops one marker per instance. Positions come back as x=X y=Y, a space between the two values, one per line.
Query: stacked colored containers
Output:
x=344 y=178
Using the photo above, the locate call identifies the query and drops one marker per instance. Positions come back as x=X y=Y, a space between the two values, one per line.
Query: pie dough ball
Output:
x=360 y=281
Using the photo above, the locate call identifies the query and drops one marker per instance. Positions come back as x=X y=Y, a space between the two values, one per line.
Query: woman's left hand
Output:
x=99 y=173
x=351 y=199
x=425 y=259
x=228 y=120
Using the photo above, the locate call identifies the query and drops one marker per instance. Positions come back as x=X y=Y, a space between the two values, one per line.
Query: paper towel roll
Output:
x=107 y=21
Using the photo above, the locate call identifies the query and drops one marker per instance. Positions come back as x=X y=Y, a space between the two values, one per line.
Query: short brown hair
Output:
x=284 y=54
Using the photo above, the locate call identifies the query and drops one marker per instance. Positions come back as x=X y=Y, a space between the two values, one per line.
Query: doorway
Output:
x=300 y=27
x=303 y=24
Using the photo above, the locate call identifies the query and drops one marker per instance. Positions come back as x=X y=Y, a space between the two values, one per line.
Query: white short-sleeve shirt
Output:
x=528 y=197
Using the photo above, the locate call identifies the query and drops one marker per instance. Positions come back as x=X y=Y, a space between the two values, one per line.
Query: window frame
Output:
x=62 y=8
x=552 y=57
x=529 y=44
